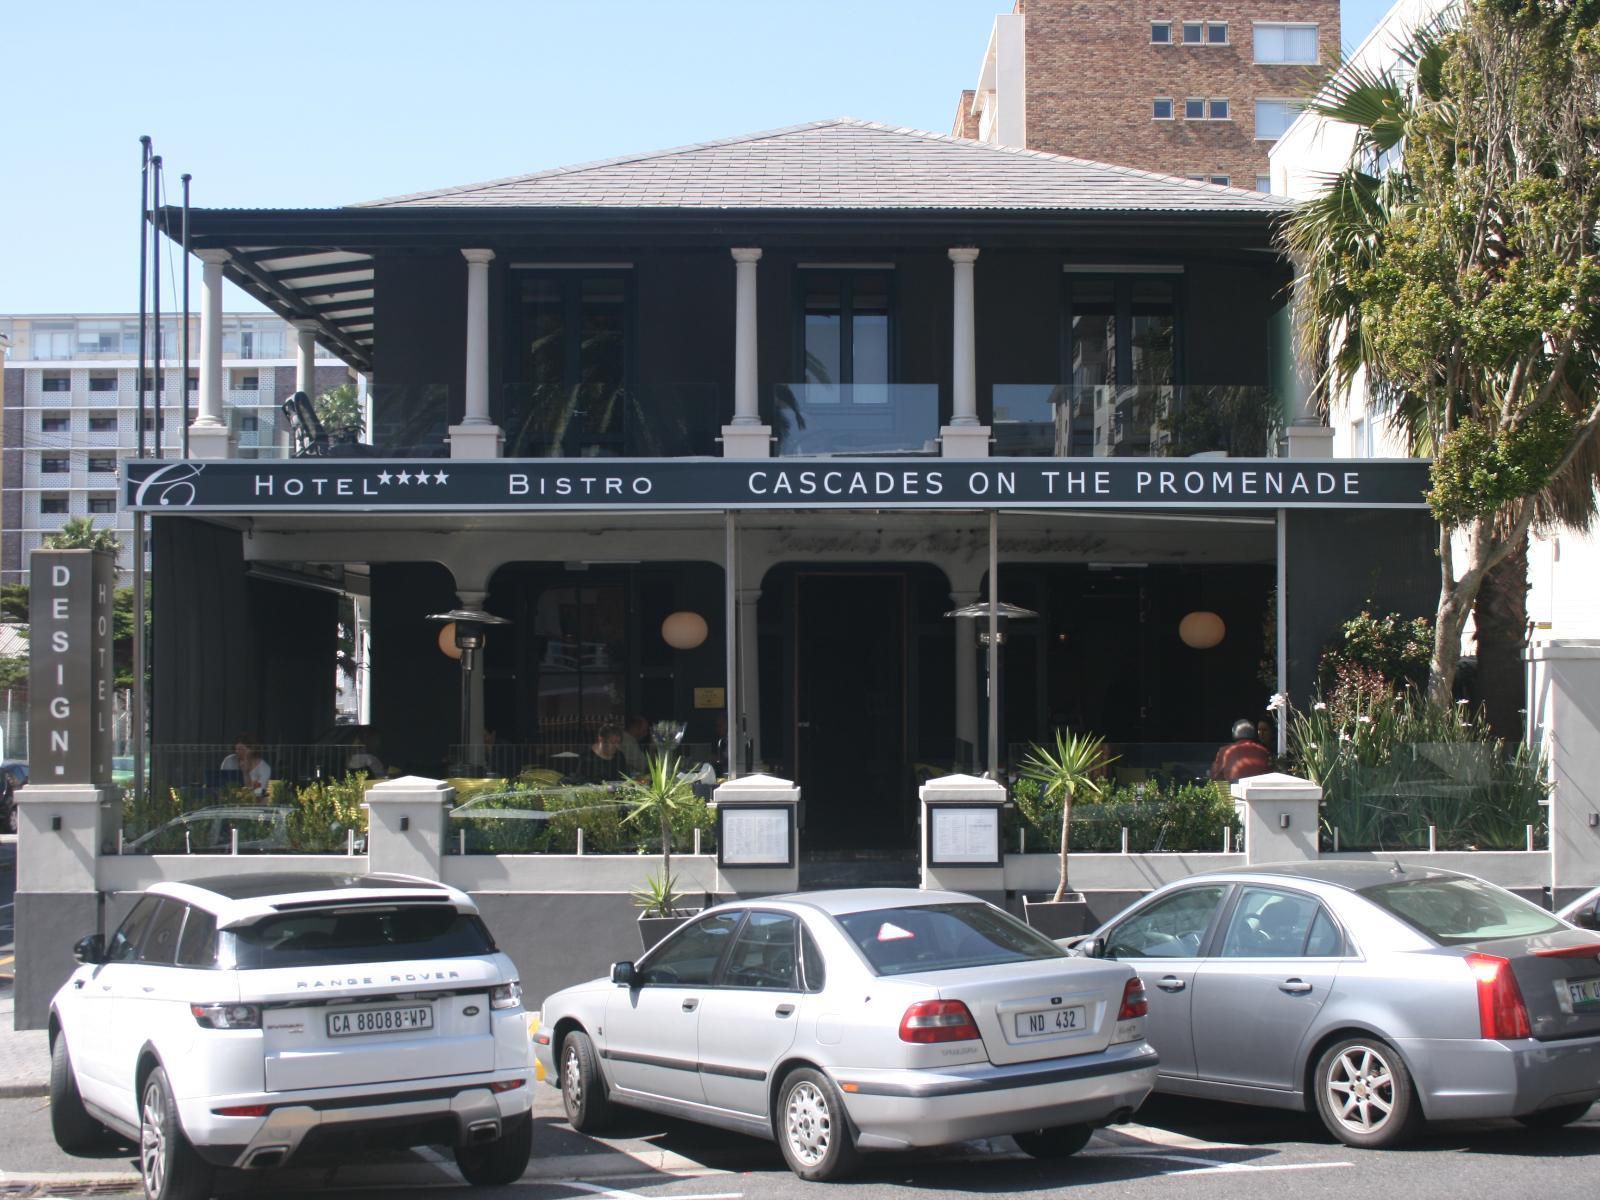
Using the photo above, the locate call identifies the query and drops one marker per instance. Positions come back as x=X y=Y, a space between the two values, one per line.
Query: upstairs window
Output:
x=103 y=464
x=1194 y=33
x=1285 y=43
x=56 y=383
x=55 y=424
x=1194 y=109
x=246 y=382
x=102 y=423
x=573 y=355
x=102 y=504
x=846 y=334
x=102 y=383
x=1161 y=108
x=53 y=506
x=1217 y=109
x=1161 y=33
x=1216 y=33
x=55 y=466
x=1220 y=180
x=1273 y=118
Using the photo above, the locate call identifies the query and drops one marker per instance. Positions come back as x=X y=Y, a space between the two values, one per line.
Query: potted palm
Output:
x=661 y=795
x=1074 y=770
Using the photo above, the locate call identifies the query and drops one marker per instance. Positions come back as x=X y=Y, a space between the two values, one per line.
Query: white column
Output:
x=964 y=437
x=305 y=363
x=208 y=435
x=747 y=437
x=966 y=676
x=477 y=436
x=750 y=672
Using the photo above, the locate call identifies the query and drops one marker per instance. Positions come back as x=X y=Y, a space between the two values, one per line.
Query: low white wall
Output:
x=1038 y=873
x=574 y=872
x=129 y=872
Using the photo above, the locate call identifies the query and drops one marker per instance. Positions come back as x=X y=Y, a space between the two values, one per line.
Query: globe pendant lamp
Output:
x=684 y=630
x=1201 y=630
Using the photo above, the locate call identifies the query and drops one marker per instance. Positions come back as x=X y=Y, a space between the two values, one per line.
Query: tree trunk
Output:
x=1501 y=617
x=1066 y=824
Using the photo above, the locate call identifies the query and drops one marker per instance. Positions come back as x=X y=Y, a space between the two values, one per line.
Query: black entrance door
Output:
x=850 y=711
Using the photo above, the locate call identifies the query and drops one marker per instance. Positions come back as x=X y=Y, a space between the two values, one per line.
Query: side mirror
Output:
x=1588 y=918
x=90 y=949
x=623 y=972
x=1091 y=947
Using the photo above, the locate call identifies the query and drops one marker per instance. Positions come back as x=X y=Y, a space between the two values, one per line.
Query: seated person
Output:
x=1242 y=757
x=364 y=756
x=636 y=745
x=253 y=769
x=602 y=762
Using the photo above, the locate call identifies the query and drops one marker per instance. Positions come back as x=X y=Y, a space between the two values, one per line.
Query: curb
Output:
x=18 y=1091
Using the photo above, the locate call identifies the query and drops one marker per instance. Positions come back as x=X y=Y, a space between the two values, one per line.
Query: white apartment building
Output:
x=71 y=413
x=1562 y=565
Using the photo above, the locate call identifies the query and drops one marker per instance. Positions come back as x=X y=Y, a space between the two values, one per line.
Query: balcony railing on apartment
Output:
x=1137 y=421
x=858 y=418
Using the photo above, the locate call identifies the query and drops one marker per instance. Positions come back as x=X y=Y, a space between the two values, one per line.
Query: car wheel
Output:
x=500 y=1162
x=1063 y=1141
x=75 y=1130
x=812 y=1128
x=1365 y=1095
x=170 y=1168
x=1554 y=1118
x=583 y=1089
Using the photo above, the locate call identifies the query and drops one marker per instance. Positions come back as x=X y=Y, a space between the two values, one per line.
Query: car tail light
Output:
x=1134 y=1001
x=227 y=1016
x=506 y=995
x=506 y=1085
x=242 y=1110
x=1501 y=1011
x=938 y=1021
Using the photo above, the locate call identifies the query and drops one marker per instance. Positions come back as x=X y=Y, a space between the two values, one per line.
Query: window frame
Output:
x=1255 y=43
x=55 y=422
x=1211 y=108
x=719 y=976
x=1292 y=105
x=1172 y=108
x=55 y=383
x=102 y=506
x=846 y=274
x=102 y=469
x=47 y=467
x=1188 y=102
x=1222 y=25
x=1200 y=31
x=98 y=423
x=1224 y=908
x=1166 y=25
x=1220 y=180
x=64 y=501
x=647 y=962
x=1319 y=907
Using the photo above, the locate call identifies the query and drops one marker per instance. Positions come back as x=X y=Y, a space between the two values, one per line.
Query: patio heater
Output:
x=470 y=626
x=994 y=614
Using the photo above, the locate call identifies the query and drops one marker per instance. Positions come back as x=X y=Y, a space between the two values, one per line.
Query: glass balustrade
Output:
x=854 y=419
x=1136 y=421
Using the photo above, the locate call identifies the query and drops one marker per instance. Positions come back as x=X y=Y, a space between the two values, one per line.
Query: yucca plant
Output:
x=1073 y=771
x=662 y=795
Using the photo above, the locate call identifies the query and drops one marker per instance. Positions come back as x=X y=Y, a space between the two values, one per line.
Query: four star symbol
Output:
x=405 y=477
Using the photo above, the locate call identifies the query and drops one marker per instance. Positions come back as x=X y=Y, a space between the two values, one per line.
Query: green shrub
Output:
x=1175 y=816
x=324 y=812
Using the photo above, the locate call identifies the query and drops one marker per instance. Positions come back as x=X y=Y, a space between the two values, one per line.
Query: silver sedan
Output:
x=1377 y=994
x=835 y=1022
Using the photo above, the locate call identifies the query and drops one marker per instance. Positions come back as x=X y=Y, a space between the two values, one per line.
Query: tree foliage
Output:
x=79 y=533
x=1457 y=260
x=339 y=408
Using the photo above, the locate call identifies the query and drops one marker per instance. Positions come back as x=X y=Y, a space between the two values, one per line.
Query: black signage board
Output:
x=70 y=595
x=587 y=484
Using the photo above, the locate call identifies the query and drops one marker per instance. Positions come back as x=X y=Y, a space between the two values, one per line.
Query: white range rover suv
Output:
x=250 y=1021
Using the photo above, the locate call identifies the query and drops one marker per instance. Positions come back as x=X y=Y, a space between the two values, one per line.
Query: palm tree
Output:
x=1074 y=770
x=663 y=794
x=1459 y=157
x=79 y=533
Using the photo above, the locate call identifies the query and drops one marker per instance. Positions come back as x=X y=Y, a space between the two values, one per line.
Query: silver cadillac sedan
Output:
x=1377 y=994
x=836 y=1022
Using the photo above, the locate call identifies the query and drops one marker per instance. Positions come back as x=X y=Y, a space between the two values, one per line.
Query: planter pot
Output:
x=1064 y=918
x=653 y=929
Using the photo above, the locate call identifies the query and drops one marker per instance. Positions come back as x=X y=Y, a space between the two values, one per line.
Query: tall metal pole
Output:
x=144 y=281
x=994 y=644
x=155 y=273
x=730 y=602
x=183 y=387
x=136 y=734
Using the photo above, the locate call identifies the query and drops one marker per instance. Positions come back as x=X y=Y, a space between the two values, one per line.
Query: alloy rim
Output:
x=572 y=1080
x=1360 y=1089
x=807 y=1123
x=153 y=1140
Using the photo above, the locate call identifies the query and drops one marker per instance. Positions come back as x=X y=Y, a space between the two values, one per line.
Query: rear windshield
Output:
x=323 y=937
x=940 y=937
x=1456 y=911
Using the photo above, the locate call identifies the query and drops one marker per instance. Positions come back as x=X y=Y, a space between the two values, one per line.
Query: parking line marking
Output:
x=619 y=1194
x=1206 y=1166
x=1164 y=1137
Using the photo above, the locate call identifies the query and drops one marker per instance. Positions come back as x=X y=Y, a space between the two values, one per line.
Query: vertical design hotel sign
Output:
x=69 y=628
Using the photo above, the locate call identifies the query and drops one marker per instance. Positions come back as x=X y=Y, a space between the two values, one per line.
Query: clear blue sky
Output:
x=297 y=104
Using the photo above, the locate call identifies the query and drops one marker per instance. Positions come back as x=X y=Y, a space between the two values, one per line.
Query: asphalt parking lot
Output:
x=1177 y=1148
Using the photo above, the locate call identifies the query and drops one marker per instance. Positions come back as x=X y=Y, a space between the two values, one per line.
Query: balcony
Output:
x=810 y=419
x=1137 y=421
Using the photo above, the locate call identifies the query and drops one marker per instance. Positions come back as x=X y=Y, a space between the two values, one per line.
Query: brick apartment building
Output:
x=1200 y=91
